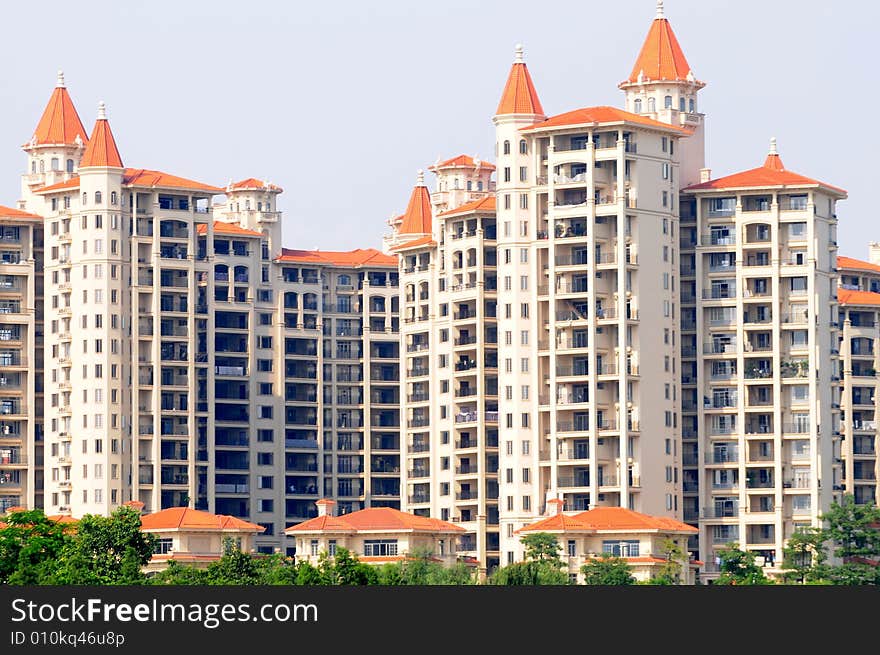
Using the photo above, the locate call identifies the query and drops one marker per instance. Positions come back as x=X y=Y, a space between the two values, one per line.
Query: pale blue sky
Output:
x=341 y=102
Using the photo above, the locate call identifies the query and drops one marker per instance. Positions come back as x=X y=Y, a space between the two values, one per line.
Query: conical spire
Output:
x=59 y=124
x=102 y=150
x=661 y=57
x=519 y=96
x=773 y=161
x=417 y=218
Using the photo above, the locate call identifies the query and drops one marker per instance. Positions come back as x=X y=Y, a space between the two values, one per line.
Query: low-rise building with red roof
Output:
x=641 y=540
x=376 y=535
x=193 y=537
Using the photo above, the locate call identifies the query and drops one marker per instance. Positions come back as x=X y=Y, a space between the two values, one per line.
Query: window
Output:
x=265 y=411
x=664 y=170
x=525 y=447
x=265 y=482
x=380 y=547
x=506 y=148
x=313 y=547
x=98 y=197
x=163 y=546
x=527 y=503
x=264 y=459
x=629 y=548
x=526 y=475
x=523 y=173
x=524 y=365
x=523 y=147
x=507 y=173
x=506 y=202
x=523 y=201
x=667 y=102
x=637 y=106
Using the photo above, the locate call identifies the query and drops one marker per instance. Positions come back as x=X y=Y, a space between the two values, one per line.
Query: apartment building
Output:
x=523 y=313
x=858 y=297
x=21 y=359
x=192 y=361
x=760 y=403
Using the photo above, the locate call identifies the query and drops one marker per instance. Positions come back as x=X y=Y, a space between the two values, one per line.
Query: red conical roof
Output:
x=59 y=124
x=519 y=96
x=661 y=57
x=102 y=150
x=417 y=218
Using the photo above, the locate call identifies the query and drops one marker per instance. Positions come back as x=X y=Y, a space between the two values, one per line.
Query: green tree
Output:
x=106 y=551
x=669 y=573
x=233 y=568
x=855 y=531
x=804 y=556
x=543 y=547
x=420 y=569
x=608 y=570
x=738 y=567
x=348 y=570
x=277 y=569
x=30 y=547
x=180 y=574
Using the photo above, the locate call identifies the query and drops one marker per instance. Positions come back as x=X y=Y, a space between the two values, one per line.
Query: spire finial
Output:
x=660 y=9
x=518 y=59
x=773 y=150
x=102 y=111
x=420 y=178
x=60 y=78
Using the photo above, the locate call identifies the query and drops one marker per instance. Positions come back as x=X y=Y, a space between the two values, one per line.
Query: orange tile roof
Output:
x=599 y=115
x=847 y=263
x=482 y=206
x=661 y=57
x=519 y=95
x=375 y=519
x=772 y=174
x=608 y=518
x=102 y=150
x=141 y=177
x=416 y=243
x=855 y=297
x=59 y=124
x=17 y=214
x=417 y=217
x=254 y=183
x=72 y=183
x=221 y=227
x=350 y=258
x=462 y=161
x=185 y=518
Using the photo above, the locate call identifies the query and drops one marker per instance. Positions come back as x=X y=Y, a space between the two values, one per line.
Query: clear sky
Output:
x=340 y=103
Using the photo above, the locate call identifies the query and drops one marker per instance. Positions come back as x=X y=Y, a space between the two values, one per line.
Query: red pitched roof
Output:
x=855 y=297
x=608 y=518
x=375 y=519
x=59 y=124
x=661 y=57
x=482 y=206
x=417 y=217
x=102 y=150
x=185 y=518
x=141 y=177
x=847 y=263
x=416 y=243
x=772 y=174
x=72 y=183
x=254 y=183
x=519 y=95
x=462 y=161
x=221 y=227
x=17 y=214
x=598 y=115
x=350 y=258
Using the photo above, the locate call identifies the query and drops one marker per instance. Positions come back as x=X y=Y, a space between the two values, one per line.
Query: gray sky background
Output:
x=341 y=102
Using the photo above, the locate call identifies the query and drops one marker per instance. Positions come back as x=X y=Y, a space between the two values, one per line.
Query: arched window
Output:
x=455 y=183
x=507 y=147
x=652 y=105
x=85 y=199
x=98 y=198
x=70 y=166
x=56 y=164
x=681 y=104
x=523 y=147
x=667 y=102
x=33 y=166
x=637 y=106
x=42 y=166
x=691 y=105
x=344 y=279
x=113 y=198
